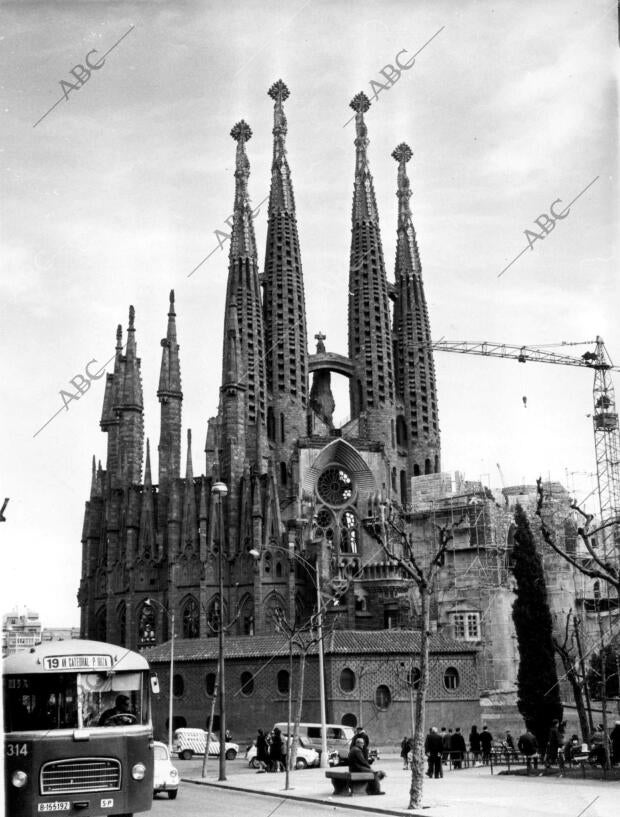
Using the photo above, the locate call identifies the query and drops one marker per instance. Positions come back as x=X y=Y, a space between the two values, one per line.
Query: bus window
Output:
x=111 y=700
x=31 y=704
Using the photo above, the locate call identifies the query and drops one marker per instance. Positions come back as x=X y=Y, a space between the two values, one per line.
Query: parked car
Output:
x=306 y=755
x=165 y=777
x=189 y=742
x=338 y=737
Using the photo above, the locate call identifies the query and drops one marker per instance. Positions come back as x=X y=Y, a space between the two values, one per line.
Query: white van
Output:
x=188 y=742
x=339 y=737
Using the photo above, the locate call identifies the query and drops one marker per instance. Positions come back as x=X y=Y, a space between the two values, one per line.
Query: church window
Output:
x=283 y=681
x=191 y=619
x=451 y=679
x=347 y=680
x=210 y=683
x=383 y=697
x=427 y=466
x=403 y=486
x=247 y=683
x=413 y=677
x=282 y=427
x=178 y=685
x=271 y=424
x=100 y=625
x=394 y=479
x=121 y=616
x=348 y=533
x=466 y=626
x=334 y=486
x=401 y=430
x=283 y=473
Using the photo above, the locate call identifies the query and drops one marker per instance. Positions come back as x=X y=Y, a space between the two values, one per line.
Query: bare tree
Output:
x=423 y=576
x=567 y=649
x=597 y=567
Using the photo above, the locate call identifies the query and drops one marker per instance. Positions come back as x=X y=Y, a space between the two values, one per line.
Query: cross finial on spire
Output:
x=279 y=91
x=402 y=153
x=360 y=103
x=320 y=346
x=241 y=132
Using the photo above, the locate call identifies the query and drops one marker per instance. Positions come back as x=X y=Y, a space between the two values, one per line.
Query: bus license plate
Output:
x=55 y=805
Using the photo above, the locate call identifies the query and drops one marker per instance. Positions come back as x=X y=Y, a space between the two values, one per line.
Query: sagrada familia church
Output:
x=305 y=499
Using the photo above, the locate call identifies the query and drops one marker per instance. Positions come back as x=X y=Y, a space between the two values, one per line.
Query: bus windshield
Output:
x=74 y=701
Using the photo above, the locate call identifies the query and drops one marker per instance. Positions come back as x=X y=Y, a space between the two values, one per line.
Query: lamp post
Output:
x=315 y=577
x=170 y=614
x=219 y=490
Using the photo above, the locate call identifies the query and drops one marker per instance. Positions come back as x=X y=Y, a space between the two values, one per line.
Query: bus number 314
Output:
x=16 y=749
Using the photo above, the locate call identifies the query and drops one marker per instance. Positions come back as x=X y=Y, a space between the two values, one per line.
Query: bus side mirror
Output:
x=154 y=685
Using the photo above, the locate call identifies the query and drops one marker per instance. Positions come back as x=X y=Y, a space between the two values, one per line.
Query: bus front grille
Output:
x=81 y=775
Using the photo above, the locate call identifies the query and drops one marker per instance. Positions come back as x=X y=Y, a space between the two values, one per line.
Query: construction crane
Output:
x=604 y=417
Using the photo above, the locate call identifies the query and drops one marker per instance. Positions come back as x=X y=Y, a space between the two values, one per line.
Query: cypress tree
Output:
x=537 y=681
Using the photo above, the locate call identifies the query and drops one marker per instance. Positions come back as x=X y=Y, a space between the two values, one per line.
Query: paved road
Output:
x=203 y=801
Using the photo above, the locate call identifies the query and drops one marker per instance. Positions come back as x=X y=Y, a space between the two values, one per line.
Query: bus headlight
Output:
x=138 y=771
x=19 y=779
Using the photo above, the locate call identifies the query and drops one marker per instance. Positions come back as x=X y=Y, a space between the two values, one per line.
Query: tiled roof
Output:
x=338 y=642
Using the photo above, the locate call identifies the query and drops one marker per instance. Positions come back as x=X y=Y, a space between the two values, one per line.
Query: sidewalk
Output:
x=463 y=793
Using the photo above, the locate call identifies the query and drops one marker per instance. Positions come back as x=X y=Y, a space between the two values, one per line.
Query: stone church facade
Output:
x=303 y=496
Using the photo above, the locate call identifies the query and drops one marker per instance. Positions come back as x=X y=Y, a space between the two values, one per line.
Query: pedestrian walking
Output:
x=553 y=744
x=276 y=751
x=445 y=741
x=262 y=750
x=486 y=741
x=474 y=744
x=433 y=746
x=404 y=752
x=528 y=746
x=457 y=748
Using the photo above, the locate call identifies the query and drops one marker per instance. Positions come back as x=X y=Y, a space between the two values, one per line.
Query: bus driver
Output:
x=119 y=714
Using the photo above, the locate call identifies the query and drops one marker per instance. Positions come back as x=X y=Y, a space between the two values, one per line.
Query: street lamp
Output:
x=219 y=490
x=315 y=577
x=170 y=614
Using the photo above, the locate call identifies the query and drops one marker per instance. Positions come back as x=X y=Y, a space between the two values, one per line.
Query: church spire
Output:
x=170 y=397
x=370 y=341
x=131 y=410
x=284 y=302
x=109 y=415
x=242 y=241
x=244 y=297
x=415 y=368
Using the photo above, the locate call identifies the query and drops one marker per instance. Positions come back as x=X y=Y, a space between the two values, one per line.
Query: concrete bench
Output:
x=350 y=783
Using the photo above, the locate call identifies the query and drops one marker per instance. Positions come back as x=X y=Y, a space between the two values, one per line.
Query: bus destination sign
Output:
x=83 y=662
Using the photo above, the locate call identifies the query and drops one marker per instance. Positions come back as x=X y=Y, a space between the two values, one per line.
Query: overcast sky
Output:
x=114 y=197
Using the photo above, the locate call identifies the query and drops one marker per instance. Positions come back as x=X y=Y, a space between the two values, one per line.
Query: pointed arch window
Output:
x=191 y=619
x=101 y=625
x=348 y=533
x=213 y=618
x=121 y=619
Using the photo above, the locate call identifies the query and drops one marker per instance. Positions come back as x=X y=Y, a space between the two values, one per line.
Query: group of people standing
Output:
x=450 y=745
x=271 y=750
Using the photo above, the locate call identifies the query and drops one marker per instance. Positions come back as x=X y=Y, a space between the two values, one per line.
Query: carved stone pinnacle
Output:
x=360 y=103
x=279 y=91
x=241 y=132
x=402 y=153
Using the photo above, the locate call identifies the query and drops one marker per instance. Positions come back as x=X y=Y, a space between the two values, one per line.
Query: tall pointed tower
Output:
x=370 y=340
x=284 y=305
x=131 y=412
x=170 y=398
x=243 y=293
x=417 y=429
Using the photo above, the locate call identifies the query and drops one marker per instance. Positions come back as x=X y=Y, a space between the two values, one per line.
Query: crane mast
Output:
x=605 y=417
